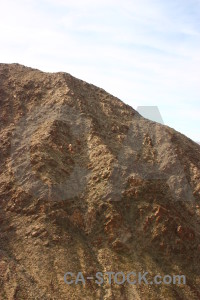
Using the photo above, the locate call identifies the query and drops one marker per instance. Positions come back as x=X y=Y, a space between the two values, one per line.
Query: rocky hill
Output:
x=89 y=185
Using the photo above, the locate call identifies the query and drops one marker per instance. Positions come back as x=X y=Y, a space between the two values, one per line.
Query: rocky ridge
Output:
x=87 y=184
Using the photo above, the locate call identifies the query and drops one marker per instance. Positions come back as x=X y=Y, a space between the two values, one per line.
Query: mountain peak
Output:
x=89 y=185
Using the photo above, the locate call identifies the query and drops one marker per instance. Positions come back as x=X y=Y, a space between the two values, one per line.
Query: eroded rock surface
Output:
x=88 y=185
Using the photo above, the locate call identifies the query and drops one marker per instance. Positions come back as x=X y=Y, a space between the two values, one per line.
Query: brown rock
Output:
x=80 y=175
x=77 y=218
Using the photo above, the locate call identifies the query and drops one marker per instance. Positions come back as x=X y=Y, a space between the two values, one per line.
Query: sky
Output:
x=145 y=52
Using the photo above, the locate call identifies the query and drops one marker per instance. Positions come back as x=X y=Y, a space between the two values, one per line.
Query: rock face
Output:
x=88 y=185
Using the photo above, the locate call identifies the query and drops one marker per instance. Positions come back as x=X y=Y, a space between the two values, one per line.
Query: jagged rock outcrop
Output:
x=88 y=185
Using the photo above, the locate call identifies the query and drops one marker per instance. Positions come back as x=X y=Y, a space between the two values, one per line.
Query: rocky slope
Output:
x=88 y=185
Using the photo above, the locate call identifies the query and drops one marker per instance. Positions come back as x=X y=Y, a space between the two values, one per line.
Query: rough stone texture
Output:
x=87 y=184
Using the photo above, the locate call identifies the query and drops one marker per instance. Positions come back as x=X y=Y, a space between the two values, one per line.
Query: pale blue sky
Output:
x=145 y=52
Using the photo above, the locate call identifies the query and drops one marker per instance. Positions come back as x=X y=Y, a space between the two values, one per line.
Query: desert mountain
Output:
x=89 y=185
